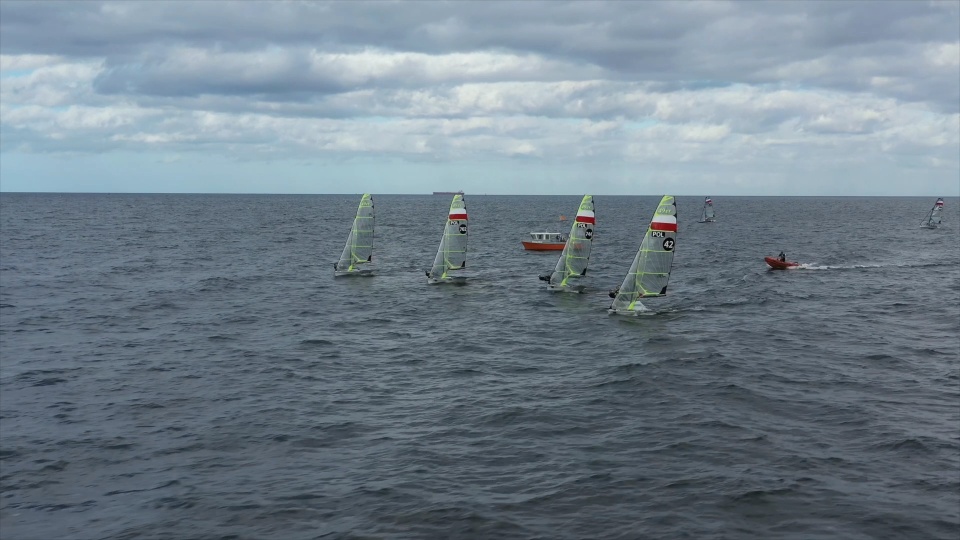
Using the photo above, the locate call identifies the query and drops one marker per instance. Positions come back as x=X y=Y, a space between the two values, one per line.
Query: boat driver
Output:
x=782 y=257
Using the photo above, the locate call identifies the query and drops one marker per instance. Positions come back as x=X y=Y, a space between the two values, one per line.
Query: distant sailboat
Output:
x=935 y=216
x=452 y=253
x=359 y=248
x=576 y=252
x=708 y=215
x=650 y=271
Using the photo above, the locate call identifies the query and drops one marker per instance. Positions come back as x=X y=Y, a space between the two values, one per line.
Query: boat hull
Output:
x=577 y=289
x=628 y=312
x=777 y=264
x=542 y=246
x=366 y=272
x=458 y=280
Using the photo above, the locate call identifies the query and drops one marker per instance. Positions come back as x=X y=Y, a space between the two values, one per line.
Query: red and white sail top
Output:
x=458 y=209
x=664 y=222
x=586 y=216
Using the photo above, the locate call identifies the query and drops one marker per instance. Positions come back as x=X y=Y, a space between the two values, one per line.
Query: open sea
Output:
x=187 y=367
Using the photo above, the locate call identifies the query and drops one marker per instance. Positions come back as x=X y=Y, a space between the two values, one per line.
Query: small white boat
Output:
x=572 y=265
x=452 y=253
x=707 y=215
x=935 y=217
x=358 y=252
x=545 y=241
x=650 y=272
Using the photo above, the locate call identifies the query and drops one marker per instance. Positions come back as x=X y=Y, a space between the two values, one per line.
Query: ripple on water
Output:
x=187 y=367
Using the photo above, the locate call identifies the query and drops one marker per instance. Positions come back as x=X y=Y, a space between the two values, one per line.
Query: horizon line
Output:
x=658 y=194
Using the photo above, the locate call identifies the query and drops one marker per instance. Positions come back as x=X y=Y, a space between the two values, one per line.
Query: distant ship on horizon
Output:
x=448 y=192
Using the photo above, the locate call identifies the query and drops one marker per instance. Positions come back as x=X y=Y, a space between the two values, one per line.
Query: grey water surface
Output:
x=186 y=366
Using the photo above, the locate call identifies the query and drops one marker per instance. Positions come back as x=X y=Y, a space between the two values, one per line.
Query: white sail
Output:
x=452 y=253
x=358 y=250
x=572 y=265
x=650 y=272
x=935 y=217
x=708 y=213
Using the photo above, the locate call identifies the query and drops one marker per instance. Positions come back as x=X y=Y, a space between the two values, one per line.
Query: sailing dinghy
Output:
x=452 y=253
x=708 y=215
x=650 y=271
x=935 y=216
x=572 y=265
x=359 y=248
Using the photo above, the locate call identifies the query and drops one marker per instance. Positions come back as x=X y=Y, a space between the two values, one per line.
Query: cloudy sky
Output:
x=684 y=97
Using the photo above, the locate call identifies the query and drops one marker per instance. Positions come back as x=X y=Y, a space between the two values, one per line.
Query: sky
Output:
x=526 y=97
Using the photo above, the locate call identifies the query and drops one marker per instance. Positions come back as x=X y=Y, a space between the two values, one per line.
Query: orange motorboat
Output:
x=545 y=241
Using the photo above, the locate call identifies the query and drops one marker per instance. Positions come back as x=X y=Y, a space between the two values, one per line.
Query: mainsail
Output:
x=708 y=213
x=650 y=271
x=452 y=254
x=359 y=247
x=935 y=216
x=576 y=253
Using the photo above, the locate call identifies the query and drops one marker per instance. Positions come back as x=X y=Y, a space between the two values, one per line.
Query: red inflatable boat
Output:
x=777 y=264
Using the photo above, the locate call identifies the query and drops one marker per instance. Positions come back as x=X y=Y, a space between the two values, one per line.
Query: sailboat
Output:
x=576 y=252
x=935 y=216
x=452 y=253
x=358 y=251
x=650 y=271
x=708 y=215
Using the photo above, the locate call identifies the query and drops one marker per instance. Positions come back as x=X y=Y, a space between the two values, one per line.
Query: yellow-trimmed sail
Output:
x=359 y=247
x=650 y=272
x=452 y=253
x=573 y=261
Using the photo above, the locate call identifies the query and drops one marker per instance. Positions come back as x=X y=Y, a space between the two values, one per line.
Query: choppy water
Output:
x=185 y=366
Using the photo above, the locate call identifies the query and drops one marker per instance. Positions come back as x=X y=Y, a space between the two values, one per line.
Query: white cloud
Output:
x=26 y=62
x=943 y=55
x=692 y=83
x=703 y=133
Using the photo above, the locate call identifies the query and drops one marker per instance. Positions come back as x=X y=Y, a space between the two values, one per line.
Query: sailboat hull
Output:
x=576 y=289
x=628 y=312
x=365 y=272
x=458 y=280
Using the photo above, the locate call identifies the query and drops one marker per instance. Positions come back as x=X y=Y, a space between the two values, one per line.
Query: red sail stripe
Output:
x=586 y=219
x=458 y=216
x=660 y=226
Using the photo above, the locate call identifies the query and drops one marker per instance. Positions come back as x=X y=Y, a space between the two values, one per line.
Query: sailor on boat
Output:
x=614 y=293
x=782 y=257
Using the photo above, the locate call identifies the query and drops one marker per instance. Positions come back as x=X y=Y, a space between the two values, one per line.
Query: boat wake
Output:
x=815 y=266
